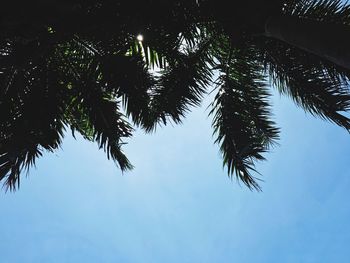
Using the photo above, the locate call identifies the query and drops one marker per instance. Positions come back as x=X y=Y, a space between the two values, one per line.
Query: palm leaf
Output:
x=318 y=87
x=241 y=115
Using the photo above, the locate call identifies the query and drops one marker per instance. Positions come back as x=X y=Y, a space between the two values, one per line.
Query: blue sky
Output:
x=178 y=205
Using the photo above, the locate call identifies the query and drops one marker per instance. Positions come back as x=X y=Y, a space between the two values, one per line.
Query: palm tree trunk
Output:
x=329 y=41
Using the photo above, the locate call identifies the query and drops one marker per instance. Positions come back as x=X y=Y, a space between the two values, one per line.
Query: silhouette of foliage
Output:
x=80 y=66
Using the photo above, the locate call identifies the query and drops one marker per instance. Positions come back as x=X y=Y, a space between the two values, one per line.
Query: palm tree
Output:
x=90 y=73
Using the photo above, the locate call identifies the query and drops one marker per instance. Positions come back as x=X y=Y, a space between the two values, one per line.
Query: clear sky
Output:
x=178 y=205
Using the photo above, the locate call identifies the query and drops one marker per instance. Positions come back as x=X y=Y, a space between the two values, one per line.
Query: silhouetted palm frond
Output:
x=330 y=11
x=32 y=109
x=181 y=85
x=241 y=113
x=313 y=84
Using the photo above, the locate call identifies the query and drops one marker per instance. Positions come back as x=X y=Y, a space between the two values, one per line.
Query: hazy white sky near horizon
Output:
x=178 y=205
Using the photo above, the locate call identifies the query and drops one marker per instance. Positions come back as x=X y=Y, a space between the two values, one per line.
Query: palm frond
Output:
x=181 y=85
x=330 y=11
x=94 y=109
x=241 y=115
x=13 y=162
x=318 y=87
x=31 y=119
x=128 y=78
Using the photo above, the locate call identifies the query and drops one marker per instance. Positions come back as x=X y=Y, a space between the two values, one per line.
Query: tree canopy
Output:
x=101 y=68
